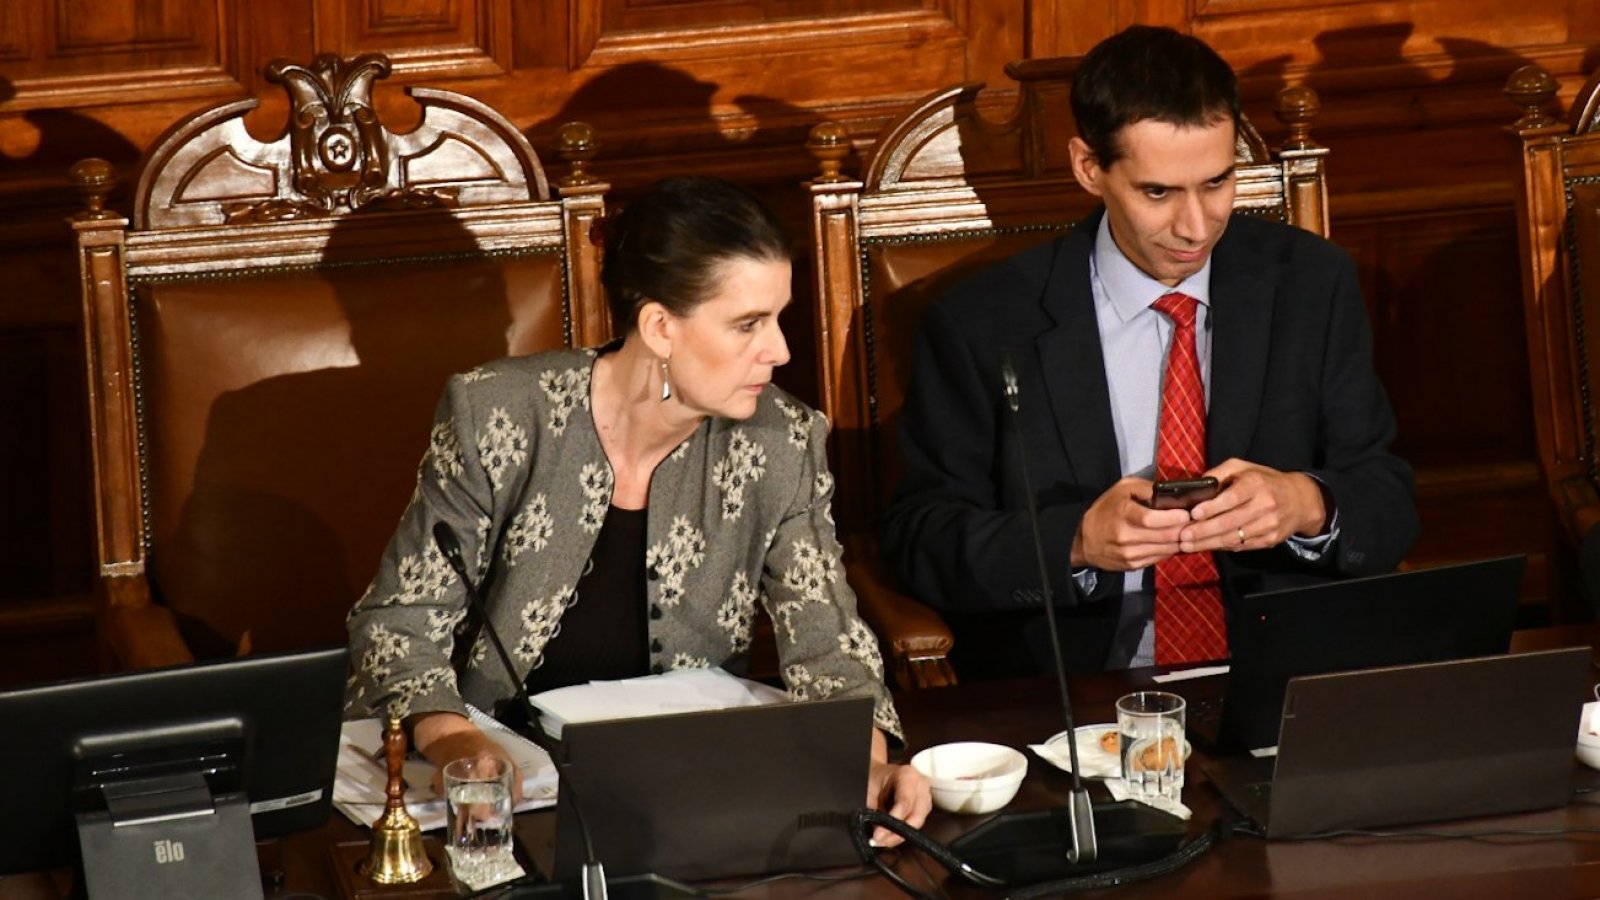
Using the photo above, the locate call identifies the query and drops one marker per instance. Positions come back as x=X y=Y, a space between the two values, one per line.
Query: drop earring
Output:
x=666 y=383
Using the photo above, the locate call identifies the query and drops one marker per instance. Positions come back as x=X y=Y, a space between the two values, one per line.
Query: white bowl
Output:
x=1589 y=736
x=971 y=776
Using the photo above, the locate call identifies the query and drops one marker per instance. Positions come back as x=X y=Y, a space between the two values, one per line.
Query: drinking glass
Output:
x=1150 y=729
x=478 y=790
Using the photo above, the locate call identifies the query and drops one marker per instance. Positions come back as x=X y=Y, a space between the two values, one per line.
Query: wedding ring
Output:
x=1241 y=537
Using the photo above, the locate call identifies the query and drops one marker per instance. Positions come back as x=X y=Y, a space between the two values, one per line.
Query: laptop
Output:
x=1409 y=744
x=745 y=791
x=1426 y=615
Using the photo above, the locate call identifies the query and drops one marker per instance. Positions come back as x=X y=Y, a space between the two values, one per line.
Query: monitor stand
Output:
x=168 y=837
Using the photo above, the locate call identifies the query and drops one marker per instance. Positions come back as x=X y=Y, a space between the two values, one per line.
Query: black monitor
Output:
x=160 y=781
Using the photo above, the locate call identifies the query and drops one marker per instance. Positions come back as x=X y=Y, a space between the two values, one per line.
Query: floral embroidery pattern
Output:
x=685 y=661
x=502 y=445
x=482 y=558
x=566 y=392
x=859 y=644
x=823 y=485
x=541 y=622
x=743 y=465
x=477 y=374
x=443 y=621
x=885 y=717
x=444 y=452
x=736 y=615
x=595 y=481
x=383 y=648
x=799 y=422
x=813 y=571
x=424 y=578
x=805 y=686
x=783 y=619
x=682 y=452
x=684 y=550
x=407 y=690
x=530 y=530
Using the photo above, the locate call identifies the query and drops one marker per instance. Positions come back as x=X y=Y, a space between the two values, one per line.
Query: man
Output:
x=1163 y=335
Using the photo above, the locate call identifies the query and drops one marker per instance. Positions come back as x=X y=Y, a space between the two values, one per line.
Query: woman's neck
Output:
x=637 y=428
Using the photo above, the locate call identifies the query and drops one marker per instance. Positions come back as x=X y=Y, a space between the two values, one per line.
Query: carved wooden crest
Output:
x=339 y=156
x=335 y=156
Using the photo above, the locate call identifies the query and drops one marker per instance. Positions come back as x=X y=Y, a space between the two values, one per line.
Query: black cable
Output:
x=864 y=820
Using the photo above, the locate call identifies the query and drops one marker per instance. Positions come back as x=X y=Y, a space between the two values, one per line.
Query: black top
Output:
x=604 y=632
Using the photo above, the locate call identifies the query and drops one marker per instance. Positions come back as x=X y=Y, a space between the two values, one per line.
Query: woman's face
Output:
x=724 y=351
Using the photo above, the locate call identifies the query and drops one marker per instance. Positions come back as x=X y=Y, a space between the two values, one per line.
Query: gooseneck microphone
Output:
x=1084 y=847
x=444 y=537
x=1105 y=843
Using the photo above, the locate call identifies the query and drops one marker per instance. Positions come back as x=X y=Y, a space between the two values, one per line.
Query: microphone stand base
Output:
x=1031 y=847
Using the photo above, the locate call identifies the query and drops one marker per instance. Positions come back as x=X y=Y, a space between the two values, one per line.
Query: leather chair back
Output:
x=268 y=339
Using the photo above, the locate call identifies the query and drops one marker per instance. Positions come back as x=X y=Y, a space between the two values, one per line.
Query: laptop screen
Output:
x=1420 y=616
x=744 y=791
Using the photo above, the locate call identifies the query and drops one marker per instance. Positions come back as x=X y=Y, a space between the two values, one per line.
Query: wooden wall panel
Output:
x=68 y=53
x=1420 y=174
x=424 y=38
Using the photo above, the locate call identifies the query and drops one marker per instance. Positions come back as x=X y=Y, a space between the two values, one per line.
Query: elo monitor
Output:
x=160 y=781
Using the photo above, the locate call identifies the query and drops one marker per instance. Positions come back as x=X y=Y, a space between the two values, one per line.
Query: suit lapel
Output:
x=1241 y=322
x=1072 y=365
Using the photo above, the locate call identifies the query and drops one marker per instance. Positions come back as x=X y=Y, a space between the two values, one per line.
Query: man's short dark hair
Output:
x=1149 y=72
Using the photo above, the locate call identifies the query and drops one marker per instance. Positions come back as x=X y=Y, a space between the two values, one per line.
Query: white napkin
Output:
x=1096 y=763
x=1119 y=791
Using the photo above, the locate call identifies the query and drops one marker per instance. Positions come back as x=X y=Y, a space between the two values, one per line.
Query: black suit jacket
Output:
x=1292 y=387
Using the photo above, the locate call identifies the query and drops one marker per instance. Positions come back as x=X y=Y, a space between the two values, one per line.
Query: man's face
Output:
x=1169 y=195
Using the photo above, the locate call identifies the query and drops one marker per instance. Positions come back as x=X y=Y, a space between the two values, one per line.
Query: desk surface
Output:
x=1023 y=712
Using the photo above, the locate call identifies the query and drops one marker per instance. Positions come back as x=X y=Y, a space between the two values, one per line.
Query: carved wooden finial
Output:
x=95 y=179
x=576 y=143
x=829 y=144
x=1531 y=88
x=1295 y=106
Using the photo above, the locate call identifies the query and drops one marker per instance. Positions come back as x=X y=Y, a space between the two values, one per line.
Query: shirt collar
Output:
x=1128 y=288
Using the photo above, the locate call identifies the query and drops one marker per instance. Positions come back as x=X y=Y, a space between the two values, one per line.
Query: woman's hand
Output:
x=444 y=737
x=901 y=790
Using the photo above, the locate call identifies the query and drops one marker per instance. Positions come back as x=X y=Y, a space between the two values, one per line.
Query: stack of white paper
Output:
x=358 y=787
x=682 y=690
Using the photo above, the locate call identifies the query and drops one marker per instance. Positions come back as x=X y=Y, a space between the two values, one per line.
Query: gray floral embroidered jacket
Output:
x=738 y=515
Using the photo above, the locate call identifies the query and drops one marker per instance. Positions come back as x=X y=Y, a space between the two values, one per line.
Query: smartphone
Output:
x=1183 y=493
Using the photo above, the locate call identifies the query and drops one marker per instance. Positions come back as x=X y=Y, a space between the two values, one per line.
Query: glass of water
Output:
x=1150 y=730
x=478 y=790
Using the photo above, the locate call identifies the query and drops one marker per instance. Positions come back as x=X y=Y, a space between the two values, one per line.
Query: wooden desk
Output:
x=1023 y=712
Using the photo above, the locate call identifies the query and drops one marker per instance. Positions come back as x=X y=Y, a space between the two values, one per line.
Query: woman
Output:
x=624 y=510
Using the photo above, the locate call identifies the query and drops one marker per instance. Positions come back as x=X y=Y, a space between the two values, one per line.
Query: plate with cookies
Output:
x=1098 y=747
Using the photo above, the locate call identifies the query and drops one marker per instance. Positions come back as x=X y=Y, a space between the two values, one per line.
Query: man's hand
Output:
x=899 y=789
x=1257 y=508
x=1120 y=532
x=444 y=737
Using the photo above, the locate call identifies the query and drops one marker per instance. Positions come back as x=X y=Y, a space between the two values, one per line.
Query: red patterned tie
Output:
x=1189 y=621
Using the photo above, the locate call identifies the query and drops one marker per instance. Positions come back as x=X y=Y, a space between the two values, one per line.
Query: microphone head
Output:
x=1008 y=372
x=444 y=537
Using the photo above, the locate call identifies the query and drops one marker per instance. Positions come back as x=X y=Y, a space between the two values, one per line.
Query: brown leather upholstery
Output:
x=947 y=191
x=267 y=343
x=1558 y=219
